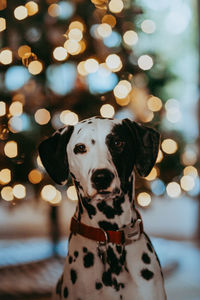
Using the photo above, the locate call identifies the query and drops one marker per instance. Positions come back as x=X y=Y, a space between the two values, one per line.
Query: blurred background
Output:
x=63 y=61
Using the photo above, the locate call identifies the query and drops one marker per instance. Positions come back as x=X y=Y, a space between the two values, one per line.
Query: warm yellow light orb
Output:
x=22 y=50
x=7 y=193
x=77 y=25
x=72 y=47
x=20 y=12
x=11 y=149
x=145 y=62
x=109 y=19
x=104 y=30
x=122 y=89
x=148 y=26
x=39 y=162
x=2 y=108
x=190 y=170
x=143 y=199
x=187 y=183
x=116 y=6
x=42 y=116
x=130 y=37
x=75 y=34
x=114 y=63
x=19 y=191
x=91 y=65
x=48 y=192
x=16 y=108
x=2 y=24
x=68 y=117
x=107 y=111
x=60 y=53
x=169 y=146
x=159 y=157
x=35 y=67
x=154 y=104
x=32 y=8
x=173 y=189
x=54 y=10
x=71 y=193
x=5 y=176
x=6 y=57
x=35 y=176
x=57 y=199
x=152 y=175
x=81 y=69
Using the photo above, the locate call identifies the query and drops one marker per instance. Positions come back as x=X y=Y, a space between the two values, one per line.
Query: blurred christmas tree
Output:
x=63 y=61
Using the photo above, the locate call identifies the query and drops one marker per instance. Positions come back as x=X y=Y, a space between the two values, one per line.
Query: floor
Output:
x=180 y=260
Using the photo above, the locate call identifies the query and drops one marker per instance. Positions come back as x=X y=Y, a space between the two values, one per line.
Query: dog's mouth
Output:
x=106 y=193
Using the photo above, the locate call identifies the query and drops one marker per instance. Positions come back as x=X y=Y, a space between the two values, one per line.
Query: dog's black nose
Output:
x=102 y=179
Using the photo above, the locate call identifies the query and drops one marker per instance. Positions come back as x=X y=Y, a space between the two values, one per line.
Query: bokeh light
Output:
x=32 y=8
x=42 y=116
x=81 y=69
x=104 y=30
x=114 y=63
x=169 y=146
x=75 y=34
x=72 y=47
x=91 y=65
x=154 y=104
x=35 y=67
x=173 y=189
x=20 y=12
x=39 y=162
x=107 y=111
x=7 y=193
x=130 y=37
x=2 y=24
x=109 y=19
x=122 y=89
x=60 y=53
x=68 y=117
x=35 y=176
x=143 y=199
x=71 y=193
x=48 y=192
x=76 y=24
x=54 y=10
x=2 y=108
x=19 y=191
x=16 y=108
x=187 y=183
x=6 y=56
x=24 y=49
x=116 y=6
x=145 y=62
x=159 y=157
x=152 y=175
x=5 y=176
x=148 y=26
x=11 y=149
x=190 y=170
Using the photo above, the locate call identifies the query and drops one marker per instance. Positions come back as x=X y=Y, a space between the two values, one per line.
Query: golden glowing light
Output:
x=116 y=6
x=147 y=116
x=2 y=24
x=2 y=108
x=60 y=53
x=5 y=176
x=6 y=57
x=77 y=25
x=72 y=47
x=22 y=50
x=57 y=199
x=187 y=183
x=48 y=192
x=191 y=171
x=54 y=10
x=19 y=191
x=68 y=117
x=42 y=116
x=15 y=124
x=71 y=193
x=154 y=104
x=35 y=67
x=109 y=19
x=20 y=12
x=104 y=30
x=91 y=65
x=11 y=149
x=113 y=62
x=189 y=157
x=145 y=62
x=173 y=189
x=7 y=193
x=159 y=157
x=143 y=199
x=107 y=111
x=169 y=146
x=152 y=175
x=35 y=176
x=32 y=8
x=16 y=108
x=81 y=69
x=130 y=38
x=148 y=26
x=122 y=89
x=75 y=34
x=39 y=162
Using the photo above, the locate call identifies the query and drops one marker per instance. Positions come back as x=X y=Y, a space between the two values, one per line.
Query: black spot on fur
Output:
x=121 y=297
x=147 y=274
x=98 y=285
x=146 y=259
x=76 y=253
x=85 y=249
x=119 y=249
x=70 y=259
x=93 y=141
x=59 y=286
x=65 y=292
x=88 y=260
x=90 y=122
x=91 y=210
x=108 y=226
x=111 y=211
x=79 y=130
x=73 y=276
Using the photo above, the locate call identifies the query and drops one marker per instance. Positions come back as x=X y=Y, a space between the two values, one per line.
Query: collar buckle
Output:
x=132 y=231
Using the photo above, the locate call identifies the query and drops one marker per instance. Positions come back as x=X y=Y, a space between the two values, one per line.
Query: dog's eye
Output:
x=80 y=148
x=118 y=143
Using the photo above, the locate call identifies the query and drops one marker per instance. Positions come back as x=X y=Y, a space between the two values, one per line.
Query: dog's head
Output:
x=100 y=154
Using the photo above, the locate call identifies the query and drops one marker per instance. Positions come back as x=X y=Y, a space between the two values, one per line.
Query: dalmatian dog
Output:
x=109 y=255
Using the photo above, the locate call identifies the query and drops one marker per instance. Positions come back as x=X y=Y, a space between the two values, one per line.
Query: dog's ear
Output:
x=146 y=142
x=53 y=154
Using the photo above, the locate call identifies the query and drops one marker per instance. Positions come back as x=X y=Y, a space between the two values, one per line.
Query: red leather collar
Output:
x=109 y=236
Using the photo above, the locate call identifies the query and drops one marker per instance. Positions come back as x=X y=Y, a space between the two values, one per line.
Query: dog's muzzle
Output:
x=102 y=179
